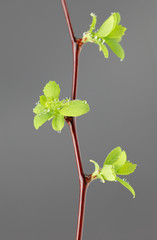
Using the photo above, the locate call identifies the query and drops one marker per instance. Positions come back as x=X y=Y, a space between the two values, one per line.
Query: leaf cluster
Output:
x=50 y=107
x=116 y=163
x=110 y=32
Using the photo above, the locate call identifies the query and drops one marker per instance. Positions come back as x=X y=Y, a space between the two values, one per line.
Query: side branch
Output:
x=67 y=17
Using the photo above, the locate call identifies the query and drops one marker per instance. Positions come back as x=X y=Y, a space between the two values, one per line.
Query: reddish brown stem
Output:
x=76 y=53
x=82 y=201
x=72 y=125
x=65 y=9
x=83 y=180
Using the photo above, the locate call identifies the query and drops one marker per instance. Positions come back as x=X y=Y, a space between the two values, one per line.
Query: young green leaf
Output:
x=96 y=173
x=115 y=47
x=113 y=156
x=126 y=169
x=100 y=177
x=127 y=185
x=58 y=122
x=118 y=17
x=116 y=39
x=75 y=108
x=92 y=27
x=43 y=100
x=108 y=173
x=102 y=48
x=96 y=165
x=107 y=27
x=41 y=118
x=38 y=109
x=120 y=161
x=118 y=32
x=52 y=90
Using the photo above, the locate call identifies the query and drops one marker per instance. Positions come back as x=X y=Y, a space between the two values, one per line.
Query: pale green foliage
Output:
x=43 y=100
x=126 y=169
x=50 y=107
x=58 y=122
x=41 y=118
x=107 y=27
x=96 y=166
x=75 y=108
x=120 y=161
x=115 y=164
x=38 y=109
x=92 y=27
x=110 y=32
x=108 y=172
x=102 y=47
x=52 y=90
x=113 y=156
x=116 y=47
x=127 y=185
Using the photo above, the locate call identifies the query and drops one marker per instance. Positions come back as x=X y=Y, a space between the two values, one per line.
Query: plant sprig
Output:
x=115 y=164
x=50 y=107
x=110 y=33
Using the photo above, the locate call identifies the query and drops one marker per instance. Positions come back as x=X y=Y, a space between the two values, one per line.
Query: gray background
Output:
x=38 y=177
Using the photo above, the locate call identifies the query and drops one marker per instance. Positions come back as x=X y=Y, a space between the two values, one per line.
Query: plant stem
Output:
x=82 y=201
x=83 y=180
x=72 y=126
x=67 y=17
x=76 y=47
